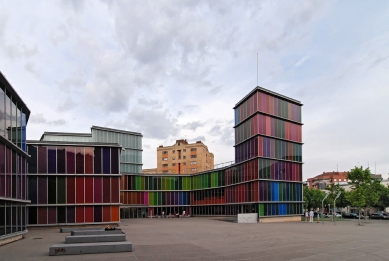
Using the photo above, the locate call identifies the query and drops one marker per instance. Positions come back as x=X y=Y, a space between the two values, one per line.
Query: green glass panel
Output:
x=155 y=198
x=172 y=183
x=151 y=198
x=261 y=210
x=61 y=190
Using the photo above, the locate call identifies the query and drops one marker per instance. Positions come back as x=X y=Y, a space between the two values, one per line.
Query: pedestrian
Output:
x=318 y=217
x=306 y=216
x=183 y=213
x=311 y=216
x=163 y=214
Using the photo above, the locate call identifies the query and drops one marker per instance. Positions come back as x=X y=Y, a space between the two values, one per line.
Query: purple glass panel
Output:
x=97 y=161
x=52 y=215
x=115 y=161
x=42 y=160
x=97 y=214
x=70 y=160
x=42 y=190
x=97 y=190
x=167 y=198
x=80 y=160
x=70 y=215
x=61 y=163
x=52 y=160
x=106 y=161
x=2 y=170
x=175 y=198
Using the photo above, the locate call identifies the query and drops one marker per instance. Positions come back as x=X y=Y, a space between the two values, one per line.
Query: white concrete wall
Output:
x=248 y=218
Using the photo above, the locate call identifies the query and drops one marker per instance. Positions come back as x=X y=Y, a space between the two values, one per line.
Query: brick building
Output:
x=184 y=158
x=328 y=178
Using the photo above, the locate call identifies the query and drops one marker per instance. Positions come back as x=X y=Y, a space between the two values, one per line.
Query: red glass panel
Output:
x=89 y=155
x=97 y=190
x=106 y=190
x=42 y=215
x=70 y=160
x=80 y=214
x=88 y=190
x=115 y=190
x=106 y=213
x=88 y=214
x=80 y=190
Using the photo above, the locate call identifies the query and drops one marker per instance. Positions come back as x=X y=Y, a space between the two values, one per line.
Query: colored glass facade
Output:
x=73 y=183
x=265 y=179
x=14 y=115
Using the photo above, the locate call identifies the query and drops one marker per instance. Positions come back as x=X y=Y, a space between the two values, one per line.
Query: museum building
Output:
x=14 y=116
x=265 y=179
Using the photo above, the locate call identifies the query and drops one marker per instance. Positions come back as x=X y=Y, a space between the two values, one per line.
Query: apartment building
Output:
x=184 y=158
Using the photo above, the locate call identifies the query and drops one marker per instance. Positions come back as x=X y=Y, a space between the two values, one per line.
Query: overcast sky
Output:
x=175 y=69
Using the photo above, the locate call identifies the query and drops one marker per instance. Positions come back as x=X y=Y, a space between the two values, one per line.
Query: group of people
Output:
x=309 y=216
x=175 y=215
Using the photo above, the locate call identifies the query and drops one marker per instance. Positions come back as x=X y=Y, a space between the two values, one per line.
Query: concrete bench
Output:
x=70 y=229
x=90 y=248
x=95 y=238
x=95 y=232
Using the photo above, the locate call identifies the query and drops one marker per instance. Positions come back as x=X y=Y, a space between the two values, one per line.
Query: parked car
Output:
x=351 y=215
x=329 y=215
x=379 y=215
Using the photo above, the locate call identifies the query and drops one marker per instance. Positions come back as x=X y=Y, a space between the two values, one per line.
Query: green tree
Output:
x=364 y=188
x=312 y=197
x=383 y=196
x=342 y=200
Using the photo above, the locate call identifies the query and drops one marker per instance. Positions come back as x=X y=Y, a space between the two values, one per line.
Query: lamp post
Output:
x=322 y=206
x=337 y=196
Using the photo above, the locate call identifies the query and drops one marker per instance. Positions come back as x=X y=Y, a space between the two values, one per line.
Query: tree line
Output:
x=366 y=192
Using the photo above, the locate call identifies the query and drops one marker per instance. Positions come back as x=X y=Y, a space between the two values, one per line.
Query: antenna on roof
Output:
x=257 y=68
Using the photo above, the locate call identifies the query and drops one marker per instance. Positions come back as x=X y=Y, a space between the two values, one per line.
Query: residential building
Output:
x=265 y=179
x=329 y=178
x=149 y=171
x=184 y=158
x=14 y=115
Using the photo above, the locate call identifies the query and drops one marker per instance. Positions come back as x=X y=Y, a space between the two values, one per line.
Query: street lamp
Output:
x=322 y=205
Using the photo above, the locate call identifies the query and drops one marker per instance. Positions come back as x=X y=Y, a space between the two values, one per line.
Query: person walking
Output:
x=311 y=216
x=306 y=216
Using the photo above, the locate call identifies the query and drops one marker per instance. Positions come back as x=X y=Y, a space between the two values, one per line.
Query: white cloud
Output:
x=174 y=69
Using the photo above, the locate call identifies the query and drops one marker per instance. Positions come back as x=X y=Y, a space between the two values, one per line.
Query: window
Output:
x=174 y=151
x=193 y=162
x=184 y=150
x=193 y=169
x=164 y=165
x=165 y=171
x=193 y=156
x=173 y=164
x=164 y=159
x=173 y=158
x=193 y=149
x=184 y=170
x=184 y=157
x=334 y=179
x=184 y=163
x=173 y=171
x=164 y=152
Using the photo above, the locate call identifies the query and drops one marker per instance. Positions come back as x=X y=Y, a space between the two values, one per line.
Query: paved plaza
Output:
x=212 y=239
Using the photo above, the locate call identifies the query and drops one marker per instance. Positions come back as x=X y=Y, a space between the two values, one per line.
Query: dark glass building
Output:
x=14 y=115
x=265 y=179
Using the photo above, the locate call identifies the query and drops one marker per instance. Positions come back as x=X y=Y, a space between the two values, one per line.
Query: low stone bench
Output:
x=90 y=248
x=95 y=232
x=95 y=238
x=70 y=229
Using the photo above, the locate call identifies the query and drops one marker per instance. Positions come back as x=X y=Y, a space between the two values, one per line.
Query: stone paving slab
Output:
x=206 y=239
